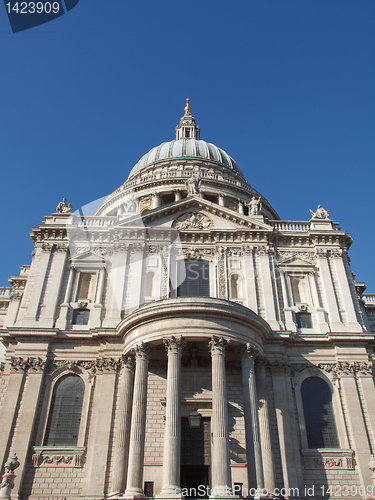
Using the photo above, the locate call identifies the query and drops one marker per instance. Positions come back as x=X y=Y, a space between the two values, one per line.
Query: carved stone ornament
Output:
x=91 y=366
x=221 y=268
x=36 y=365
x=342 y=459
x=2 y=366
x=192 y=221
x=141 y=350
x=174 y=344
x=195 y=253
x=217 y=345
x=344 y=368
x=50 y=457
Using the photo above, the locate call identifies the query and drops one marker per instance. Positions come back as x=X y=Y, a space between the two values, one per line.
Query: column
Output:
x=268 y=292
x=95 y=319
x=172 y=436
x=264 y=427
x=253 y=448
x=221 y=200
x=52 y=290
x=122 y=427
x=240 y=206
x=329 y=292
x=356 y=424
x=156 y=197
x=138 y=424
x=177 y=195
x=221 y=476
x=286 y=426
x=250 y=282
x=288 y=313
x=34 y=372
x=64 y=308
x=33 y=289
x=100 y=429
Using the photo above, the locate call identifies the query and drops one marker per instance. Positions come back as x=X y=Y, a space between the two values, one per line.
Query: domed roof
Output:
x=187 y=149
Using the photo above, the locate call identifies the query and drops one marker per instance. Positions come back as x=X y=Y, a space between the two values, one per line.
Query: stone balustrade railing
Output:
x=369 y=299
x=92 y=221
x=5 y=292
x=290 y=225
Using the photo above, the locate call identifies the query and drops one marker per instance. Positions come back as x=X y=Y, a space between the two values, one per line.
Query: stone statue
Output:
x=64 y=207
x=7 y=483
x=192 y=184
x=320 y=213
x=255 y=206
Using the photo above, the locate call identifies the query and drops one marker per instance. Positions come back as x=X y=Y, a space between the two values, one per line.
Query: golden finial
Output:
x=187 y=108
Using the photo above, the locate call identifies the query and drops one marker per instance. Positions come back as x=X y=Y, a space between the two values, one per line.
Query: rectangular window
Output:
x=187 y=133
x=86 y=286
x=194 y=278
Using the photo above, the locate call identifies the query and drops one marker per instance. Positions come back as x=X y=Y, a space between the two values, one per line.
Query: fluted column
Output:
x=172 y=435
x=254 y=452
x=264 y=427
x=122 y=429
x=138 y=424
x=221 y=477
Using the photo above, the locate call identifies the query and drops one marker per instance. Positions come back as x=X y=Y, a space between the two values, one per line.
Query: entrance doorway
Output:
x=195 y=458
x=195 y=479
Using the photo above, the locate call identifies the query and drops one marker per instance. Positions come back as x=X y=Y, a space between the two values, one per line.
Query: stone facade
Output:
x=186 y=294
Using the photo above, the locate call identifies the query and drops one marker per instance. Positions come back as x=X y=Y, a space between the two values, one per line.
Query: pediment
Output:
x=297 y=259
x=212 y=216
x=83 y=258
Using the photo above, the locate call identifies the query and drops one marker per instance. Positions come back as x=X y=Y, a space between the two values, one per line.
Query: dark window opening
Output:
x=187 y=133
x=194 y=278
x=167 y=198
x=81 y=317
x=212 y=198
x=318 y=411
x=148 y=489
x=65 y=412
x=304 y=320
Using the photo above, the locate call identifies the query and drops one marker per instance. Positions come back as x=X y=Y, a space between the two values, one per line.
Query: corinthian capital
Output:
x=141 y=350
x=217 y=345
x=174 y=344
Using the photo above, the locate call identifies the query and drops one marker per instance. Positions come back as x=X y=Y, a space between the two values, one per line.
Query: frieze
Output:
x=336 y=253
x=88 y=365
x=16 y=294
x=36 y=365
x=47 y=457
x=344 y=368
x=196 y=253
x=328 y=460
x=280 y=366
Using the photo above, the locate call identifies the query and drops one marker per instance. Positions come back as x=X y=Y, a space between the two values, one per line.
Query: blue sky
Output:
x=286 y=87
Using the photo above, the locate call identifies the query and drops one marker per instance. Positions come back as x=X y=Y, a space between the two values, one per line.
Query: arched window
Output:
x=65 y=412
x=149 y=280
x=81 y=317
x=196 y=282
x=318 y=411
x=234 y=286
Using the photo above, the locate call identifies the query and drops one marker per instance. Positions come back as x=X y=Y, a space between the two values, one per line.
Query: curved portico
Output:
x=187 y=336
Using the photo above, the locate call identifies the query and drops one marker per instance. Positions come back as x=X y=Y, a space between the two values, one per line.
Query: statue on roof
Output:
x=63 y=207
x=321 y=213
x=255 y=206
x=192 y=184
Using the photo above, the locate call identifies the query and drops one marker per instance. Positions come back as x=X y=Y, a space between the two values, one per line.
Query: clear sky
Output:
x=286 y=87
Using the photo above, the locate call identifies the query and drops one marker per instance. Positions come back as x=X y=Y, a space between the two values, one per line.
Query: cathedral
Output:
x=182 y=341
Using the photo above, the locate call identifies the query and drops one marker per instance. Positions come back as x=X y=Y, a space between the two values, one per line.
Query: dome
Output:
x=186 y=149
